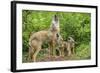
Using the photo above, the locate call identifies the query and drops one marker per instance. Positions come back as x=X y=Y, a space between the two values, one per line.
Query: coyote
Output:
x=68 y=46
x=37 y=39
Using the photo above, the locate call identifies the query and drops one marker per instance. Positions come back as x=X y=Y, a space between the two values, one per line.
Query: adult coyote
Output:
x=37 y=39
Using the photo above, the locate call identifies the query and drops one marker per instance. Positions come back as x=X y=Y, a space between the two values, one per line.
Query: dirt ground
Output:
x=56 y=58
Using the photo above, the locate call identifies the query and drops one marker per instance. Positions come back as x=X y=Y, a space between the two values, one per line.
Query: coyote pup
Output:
x=68 y=45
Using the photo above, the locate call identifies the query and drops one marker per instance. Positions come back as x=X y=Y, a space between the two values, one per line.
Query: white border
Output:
x=21 y=65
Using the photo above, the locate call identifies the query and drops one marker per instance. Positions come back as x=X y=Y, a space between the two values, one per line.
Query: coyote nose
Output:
x=56 y=18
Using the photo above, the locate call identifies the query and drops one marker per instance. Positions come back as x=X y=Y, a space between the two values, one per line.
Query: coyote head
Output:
x=55 y=23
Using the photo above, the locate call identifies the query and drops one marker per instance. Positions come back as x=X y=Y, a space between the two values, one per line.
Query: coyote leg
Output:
x=73 y=51
x=69 y=50
x=35 y=54
x=62 y=52
x=31 y=51
x=53 y=49
x=50 y=50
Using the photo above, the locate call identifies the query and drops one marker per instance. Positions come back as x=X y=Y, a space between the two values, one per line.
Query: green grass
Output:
x=83 y=51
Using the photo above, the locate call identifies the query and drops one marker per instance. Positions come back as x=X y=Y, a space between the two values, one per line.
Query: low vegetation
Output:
x=72 y=24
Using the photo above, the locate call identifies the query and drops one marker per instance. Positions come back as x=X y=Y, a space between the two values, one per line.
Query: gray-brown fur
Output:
x=37 y=39
x=67 y=47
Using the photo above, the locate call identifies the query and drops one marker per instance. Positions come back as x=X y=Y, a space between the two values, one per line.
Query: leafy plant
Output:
x=71 y=24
